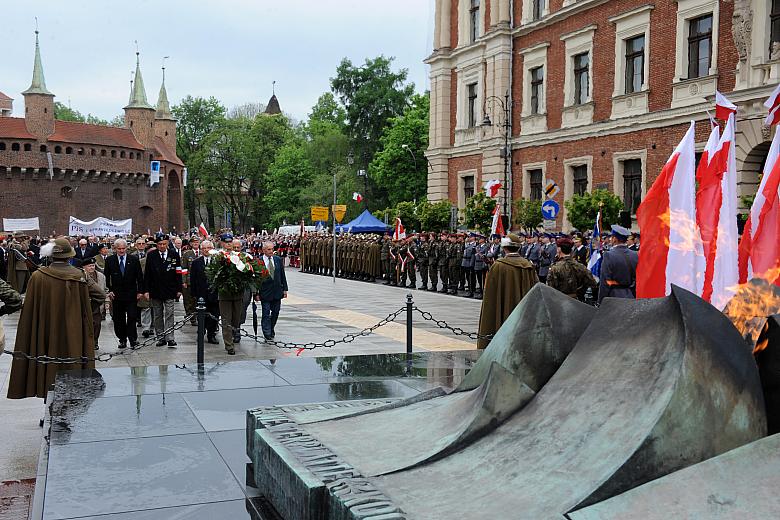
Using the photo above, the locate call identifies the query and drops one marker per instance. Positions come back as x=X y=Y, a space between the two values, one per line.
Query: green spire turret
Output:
x=138 y=92
x=38 y=85
x=163 y=106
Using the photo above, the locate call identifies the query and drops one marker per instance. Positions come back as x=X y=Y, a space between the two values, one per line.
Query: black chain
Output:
x=455 y=330
x=104 y=357
x=330 y=343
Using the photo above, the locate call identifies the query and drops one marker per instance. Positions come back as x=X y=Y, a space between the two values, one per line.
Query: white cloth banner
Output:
x=100 y=226
x=21 y=224
x=154 y=178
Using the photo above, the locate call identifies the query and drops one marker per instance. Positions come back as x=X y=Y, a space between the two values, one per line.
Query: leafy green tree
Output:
x=407 y=212
x=583 y=209
x=478 y=213
x=327 y=112
x=63 y=112
x=528 y=214
x=371 y=95
x=197 y=118
x=434 y=216
x=399 y=170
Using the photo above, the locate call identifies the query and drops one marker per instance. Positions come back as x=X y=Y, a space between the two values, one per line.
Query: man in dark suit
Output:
x=125 y=283
x=273 y=289
x=580 y=252
x=162 y=276
x=200 y=288
x=84 y=250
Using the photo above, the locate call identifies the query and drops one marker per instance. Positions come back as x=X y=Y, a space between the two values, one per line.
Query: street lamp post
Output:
x=505 y=106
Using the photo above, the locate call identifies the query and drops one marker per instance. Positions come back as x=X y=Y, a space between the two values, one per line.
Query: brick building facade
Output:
x=55 y=169
x=599 y=92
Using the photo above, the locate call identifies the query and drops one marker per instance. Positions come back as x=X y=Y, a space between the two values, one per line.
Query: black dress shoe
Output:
x=231 y=352
x=122 y=344
x=161 y=343
x=172 y=343
x=97 y=347
x=212 y=340
x=146 y=333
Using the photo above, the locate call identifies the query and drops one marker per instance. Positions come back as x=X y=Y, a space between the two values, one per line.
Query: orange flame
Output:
x=684 y=230
x=752 y=305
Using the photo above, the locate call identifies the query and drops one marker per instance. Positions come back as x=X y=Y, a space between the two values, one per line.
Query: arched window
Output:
x=131 y=124
x=131 y=155
x=2 y=146
x=116 y=194
x=44 y=149
x=80 y=151
x=66 y=192
x=15 y=147
x=102 y=153
x=113 y=153
x=122 y=154
x=151 y=158
x=68 y=150
x=27 y=147
x=58 y=149
x=92 y=151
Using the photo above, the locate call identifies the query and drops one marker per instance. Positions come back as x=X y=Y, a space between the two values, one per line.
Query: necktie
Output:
x=271 y=266
x=122 y=264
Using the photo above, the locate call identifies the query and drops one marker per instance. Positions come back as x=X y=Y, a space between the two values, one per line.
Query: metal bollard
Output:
x=201 y=308
x=409 y=303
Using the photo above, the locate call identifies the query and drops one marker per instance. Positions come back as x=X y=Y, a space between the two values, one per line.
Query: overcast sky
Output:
x=231 y=49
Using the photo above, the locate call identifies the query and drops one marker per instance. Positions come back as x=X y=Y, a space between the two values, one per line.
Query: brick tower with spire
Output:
x=139 y=114
x=164 y=122
x=38 y=101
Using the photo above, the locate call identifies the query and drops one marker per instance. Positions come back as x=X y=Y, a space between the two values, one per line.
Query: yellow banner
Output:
x=339 y=210
x=319 y=213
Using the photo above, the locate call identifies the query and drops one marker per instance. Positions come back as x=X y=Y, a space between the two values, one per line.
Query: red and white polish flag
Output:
x=497 y=227
x=716 y=210
x=492 y=187
x=399 y=232
x=773 y=106
x=202 y=230
x=357 y=197
x=671 y=251
x=723 y=107
x=759 y=249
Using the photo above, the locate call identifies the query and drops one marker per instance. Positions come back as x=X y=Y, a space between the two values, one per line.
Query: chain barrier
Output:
x=427 y=316
x=330 y=343
x=105 y=356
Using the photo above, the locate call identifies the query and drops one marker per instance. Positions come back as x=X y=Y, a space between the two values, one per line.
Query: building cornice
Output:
x=584 y=30
x=557 y=16
x=627 y=14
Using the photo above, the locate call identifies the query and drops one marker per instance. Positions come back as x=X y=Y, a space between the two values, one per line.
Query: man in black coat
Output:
x=273 y=289
x=163 y=287
x=84 y=250
x=125 y=283
x=200 y=288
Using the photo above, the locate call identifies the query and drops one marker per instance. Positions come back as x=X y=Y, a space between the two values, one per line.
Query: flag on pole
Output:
x=594 y=261
x=773 y=105
x=759 y=249
x=716 y=211
x=357 y=197
x=723 y=107
x=399 y=231
x=303 y=228
x=202 y=230
x=497 y=227
x=671 y=250
x=492 y=187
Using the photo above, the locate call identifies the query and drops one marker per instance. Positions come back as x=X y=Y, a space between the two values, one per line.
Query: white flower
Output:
x=235 y=260
x=240 y=265
x=214 y=252
x=248 y=255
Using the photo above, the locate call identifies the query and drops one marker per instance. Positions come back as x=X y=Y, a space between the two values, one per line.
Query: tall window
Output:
x=535 y=178
x=774 y=20
x=632 y=184
x=474 y=20
x=537 y=89
x=538 y=9
x=635 y=64
x=699 y=46
x=468 y=187
x=581 y=78
x=472 y=109
x=580 y=179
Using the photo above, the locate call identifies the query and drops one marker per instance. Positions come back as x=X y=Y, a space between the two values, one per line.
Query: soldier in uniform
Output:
x=384 y=257
x=568 y=275
x=395 y=260
x=423 y=252
x=412 y=252
x=444 y=262
x=480 y=265
x=617 y=278
x=580 y=252
x=547 y=254
x=454 y=257
x=433 y=262
x=468 y=262
x=633 y=242
x=533 y=250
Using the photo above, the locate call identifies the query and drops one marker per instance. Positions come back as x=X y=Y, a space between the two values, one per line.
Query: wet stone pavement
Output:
x=169 y=441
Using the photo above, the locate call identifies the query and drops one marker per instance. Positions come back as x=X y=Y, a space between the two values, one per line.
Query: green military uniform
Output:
x=570 y=277
x=403 y=259
x=454 y=258
x=384 y=257
x=394 y=263
x=423 y=252
x=412 y=251
x=444 y=263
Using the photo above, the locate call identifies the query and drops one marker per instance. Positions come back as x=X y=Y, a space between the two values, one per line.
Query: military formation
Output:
x=451 y=263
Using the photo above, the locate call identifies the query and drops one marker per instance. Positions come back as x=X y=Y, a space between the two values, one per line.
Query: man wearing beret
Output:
x=567 y=274
x=617 y=278
x=162 y=278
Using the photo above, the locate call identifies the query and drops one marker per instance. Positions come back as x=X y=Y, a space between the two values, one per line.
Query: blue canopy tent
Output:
x=364 y=223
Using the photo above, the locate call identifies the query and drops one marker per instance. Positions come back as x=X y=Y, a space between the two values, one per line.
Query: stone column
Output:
x=437 y=25
x=504 y=16
x=444 y=22
x=494 y=8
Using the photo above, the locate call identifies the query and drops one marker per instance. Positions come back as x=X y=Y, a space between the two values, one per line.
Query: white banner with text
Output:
x=100 y=226
x=21 y=224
